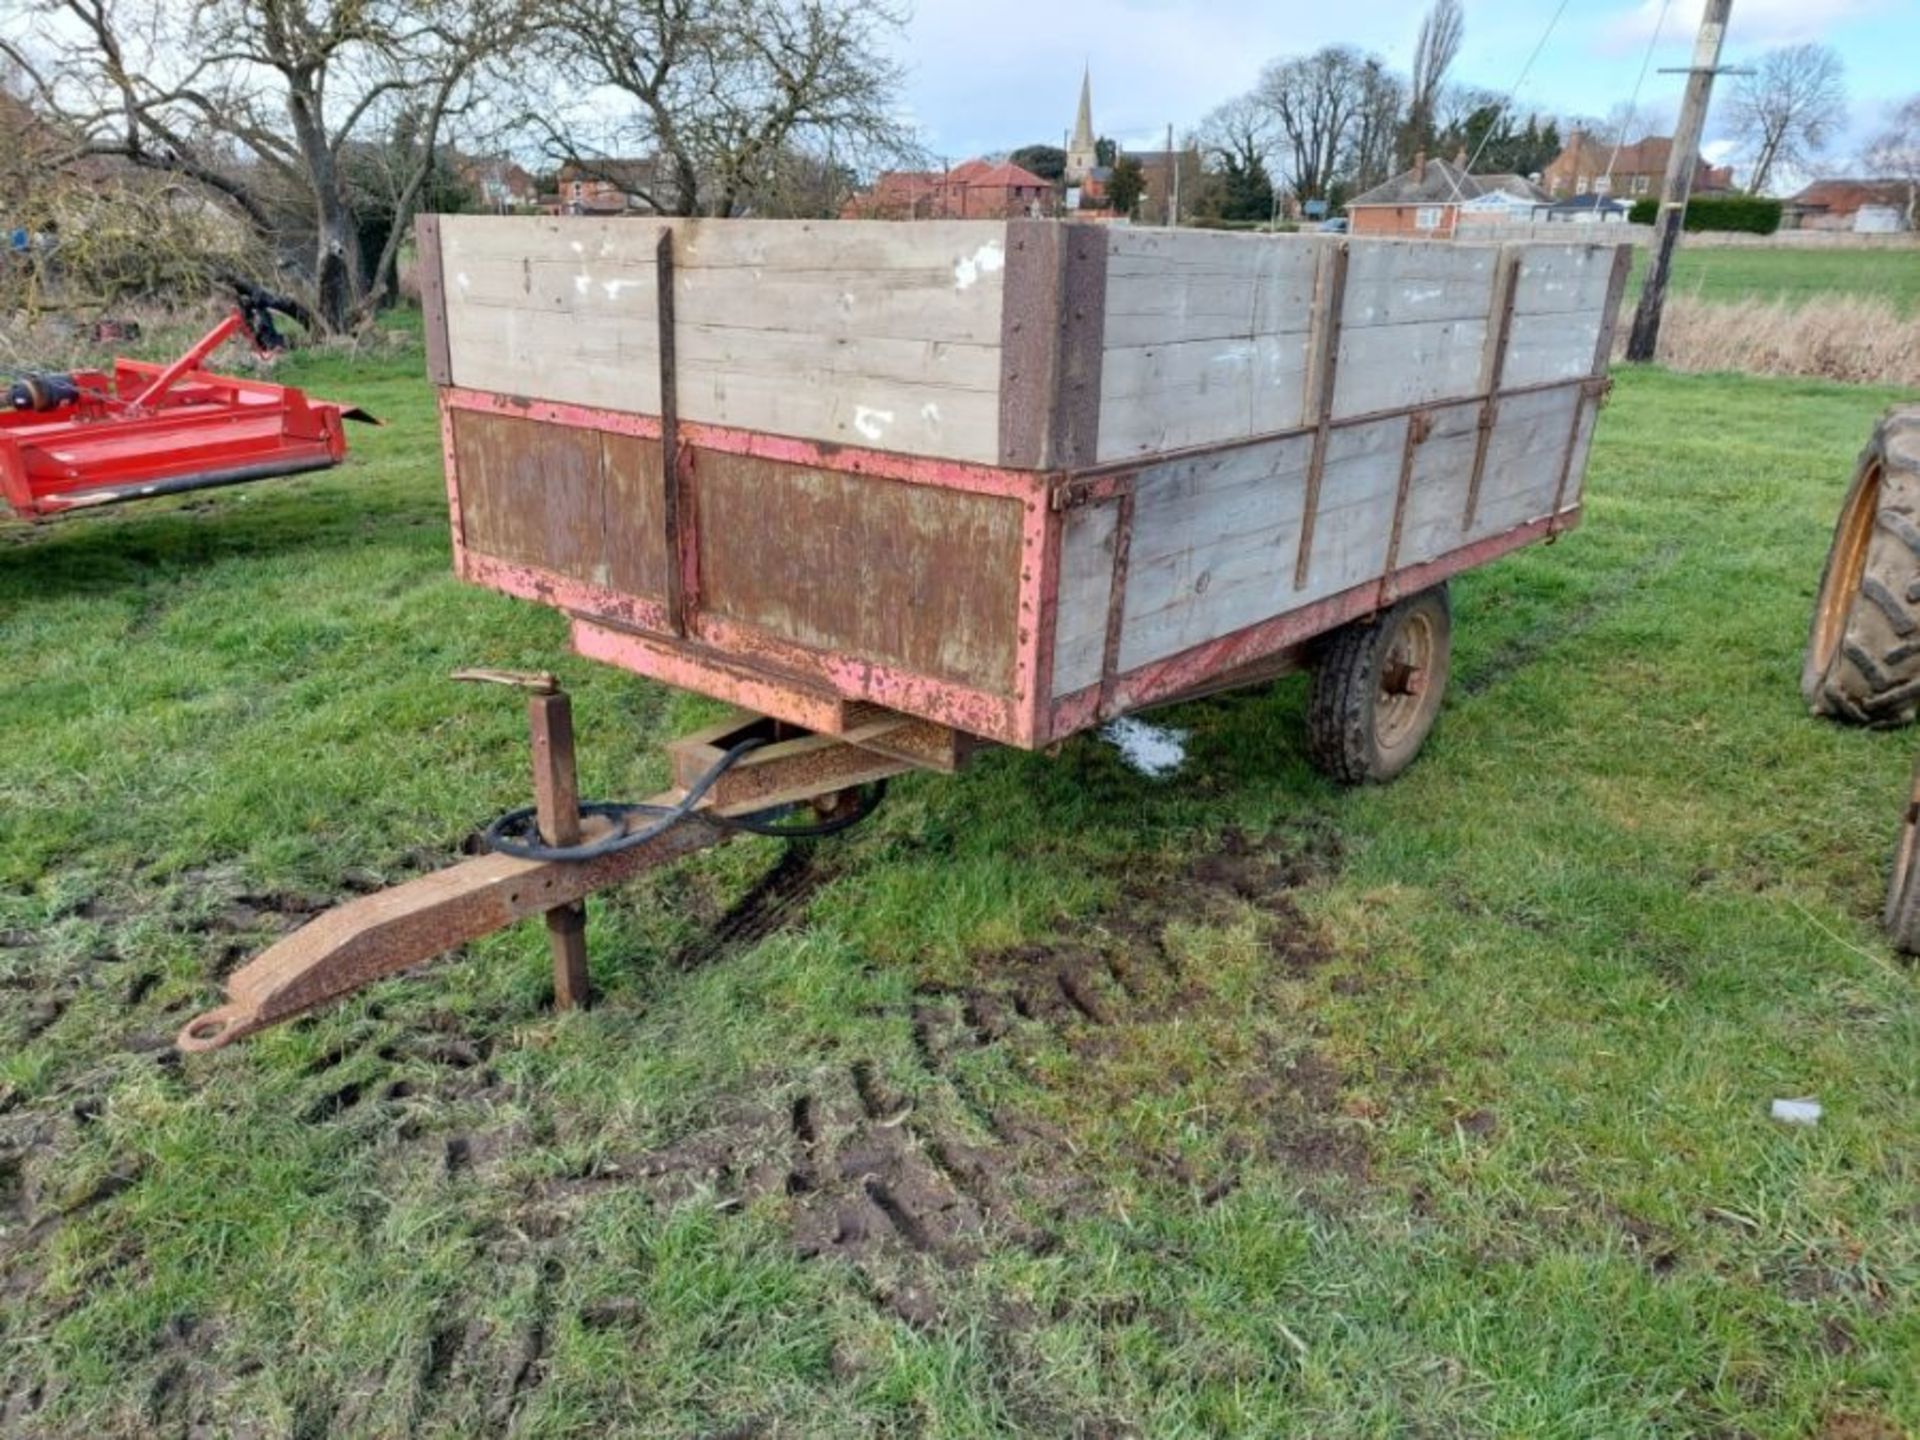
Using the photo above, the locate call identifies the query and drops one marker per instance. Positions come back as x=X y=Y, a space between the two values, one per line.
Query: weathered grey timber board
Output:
x=937 y=339
x=1210 y=338
x=1087 y=551
x=1215 y=536
x=856 y=333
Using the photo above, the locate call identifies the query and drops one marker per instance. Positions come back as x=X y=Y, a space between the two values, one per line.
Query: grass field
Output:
x=1056 y=1101
x=1729 y=275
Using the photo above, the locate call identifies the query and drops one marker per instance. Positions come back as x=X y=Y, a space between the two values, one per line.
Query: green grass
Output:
x=1732 y=274
x=1440 y=1108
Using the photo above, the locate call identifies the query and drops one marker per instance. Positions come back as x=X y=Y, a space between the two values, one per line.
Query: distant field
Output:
x=1796 y=276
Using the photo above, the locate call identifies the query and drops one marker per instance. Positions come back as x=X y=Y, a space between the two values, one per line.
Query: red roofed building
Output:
x=1590 y=165
x=972 y=190
x=1866 y=205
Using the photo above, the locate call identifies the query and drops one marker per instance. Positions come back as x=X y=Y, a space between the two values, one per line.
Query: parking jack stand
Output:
x=556 y=797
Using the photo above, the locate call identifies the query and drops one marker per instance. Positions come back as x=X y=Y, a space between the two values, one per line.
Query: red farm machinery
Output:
x=87 y=438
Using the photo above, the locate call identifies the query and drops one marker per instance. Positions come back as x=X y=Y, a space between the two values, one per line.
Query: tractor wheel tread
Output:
x=1901 y=528
x=1863 y=660
x=1890 y=606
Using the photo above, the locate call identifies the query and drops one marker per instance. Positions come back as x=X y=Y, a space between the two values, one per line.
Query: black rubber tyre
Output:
x=1902 y=915
x=1863 y=656
x=1377 y=686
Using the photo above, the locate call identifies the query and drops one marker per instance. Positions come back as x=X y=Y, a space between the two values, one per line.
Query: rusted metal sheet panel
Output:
x=583 y=504
x=914 y=576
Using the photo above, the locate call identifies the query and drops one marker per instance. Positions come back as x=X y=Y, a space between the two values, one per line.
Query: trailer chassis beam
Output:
x=374 y=936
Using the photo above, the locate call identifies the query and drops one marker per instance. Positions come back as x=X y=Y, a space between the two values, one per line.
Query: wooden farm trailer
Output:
x=903 y=488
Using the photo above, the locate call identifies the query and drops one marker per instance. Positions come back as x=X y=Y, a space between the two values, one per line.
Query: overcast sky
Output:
x=990 y=75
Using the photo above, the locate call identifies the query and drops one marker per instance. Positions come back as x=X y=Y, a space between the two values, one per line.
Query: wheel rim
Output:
x=1903 y=853
x=1406 y=692
x=1850 y=541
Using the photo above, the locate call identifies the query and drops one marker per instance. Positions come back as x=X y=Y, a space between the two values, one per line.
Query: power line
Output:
x=1512 y=90
x=1633 y=104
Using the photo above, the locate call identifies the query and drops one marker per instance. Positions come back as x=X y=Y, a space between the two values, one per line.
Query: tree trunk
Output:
x=337 y=277
x=338 y=274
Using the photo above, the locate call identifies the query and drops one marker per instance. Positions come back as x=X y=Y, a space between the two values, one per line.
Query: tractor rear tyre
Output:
x=1863 y=657
x=1377 y=685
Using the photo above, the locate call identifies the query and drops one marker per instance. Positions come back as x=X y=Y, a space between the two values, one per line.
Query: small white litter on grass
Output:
x=1797 y=1112
x=1153 y=750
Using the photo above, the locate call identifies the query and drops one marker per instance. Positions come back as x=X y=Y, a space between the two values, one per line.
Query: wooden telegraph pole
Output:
x=1681 y=163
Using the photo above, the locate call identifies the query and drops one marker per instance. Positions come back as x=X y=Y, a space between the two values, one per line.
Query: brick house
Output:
x=502 y=184
x=611 y=187
x=1429 y=200
x=973 y=190
x=1639 y=169
x=1161 y=169
x=1839 y=205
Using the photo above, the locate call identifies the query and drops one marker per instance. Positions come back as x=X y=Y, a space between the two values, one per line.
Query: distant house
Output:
x=1167 y=173
x=1501 y=205
x=502 y=184
x=612 y=187
x=1430 y=200
x=972 y=190
x=1866 y=206
x=1583 y=210
x=1590 y=165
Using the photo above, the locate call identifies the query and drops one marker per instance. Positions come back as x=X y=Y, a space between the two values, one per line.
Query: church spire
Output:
x=1082 y=154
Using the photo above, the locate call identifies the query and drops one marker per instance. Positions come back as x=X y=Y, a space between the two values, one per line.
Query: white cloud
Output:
x=1755 y=24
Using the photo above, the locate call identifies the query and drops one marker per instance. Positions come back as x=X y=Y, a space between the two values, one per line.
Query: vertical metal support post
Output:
x=556 y=798
x=673 y=517
x=1329 y=302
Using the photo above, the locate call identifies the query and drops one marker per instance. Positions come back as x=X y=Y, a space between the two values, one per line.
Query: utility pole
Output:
x=1681 y=163
x=1173 y=181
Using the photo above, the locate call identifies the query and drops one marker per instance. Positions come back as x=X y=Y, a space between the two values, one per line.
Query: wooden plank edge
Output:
x=433 y=297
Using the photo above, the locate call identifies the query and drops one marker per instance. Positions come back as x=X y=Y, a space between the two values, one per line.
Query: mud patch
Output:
x=775 y=902
x=910 y=1176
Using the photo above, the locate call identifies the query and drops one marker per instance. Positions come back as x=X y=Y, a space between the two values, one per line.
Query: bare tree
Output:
x=1789 y=109
x=255 y=100
x=724 y=92
x=1377 y=126
x=1239 y=132
x=1434 y=52
x=1233 y=140
x=1314 y=100
x=1894 y=154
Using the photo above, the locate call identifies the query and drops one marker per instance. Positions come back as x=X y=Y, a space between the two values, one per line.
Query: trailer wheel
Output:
x=1377 y=686
x=1863 y=656
x=1902 y=915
